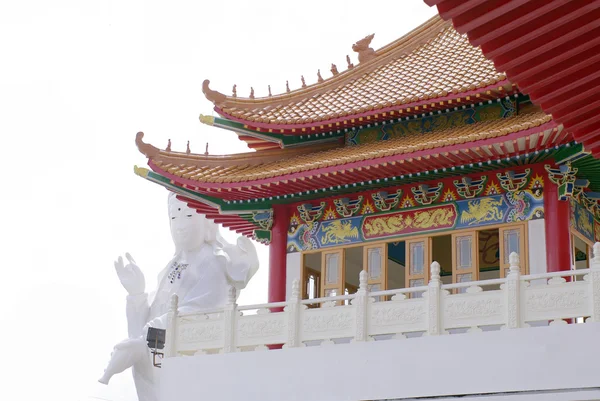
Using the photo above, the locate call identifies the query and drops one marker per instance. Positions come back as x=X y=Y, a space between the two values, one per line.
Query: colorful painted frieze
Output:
x=471 y=201
x=582 y=221
x=503 y=109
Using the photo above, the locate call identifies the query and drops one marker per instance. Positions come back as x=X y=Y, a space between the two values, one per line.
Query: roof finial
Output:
x=234 y=90
x=365 y=53
x=168 y=149
x=270 y=91
x=350 y=65
x=206 y=152
x=188 y=150
x=334 y=69
x=251 y=93
x=287 y=86
x=319 y=77
x=303 y=82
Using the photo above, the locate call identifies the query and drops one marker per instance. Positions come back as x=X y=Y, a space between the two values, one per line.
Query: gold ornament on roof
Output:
x=334 y=69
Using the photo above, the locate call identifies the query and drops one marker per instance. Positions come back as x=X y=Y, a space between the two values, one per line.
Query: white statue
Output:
x=200 y=273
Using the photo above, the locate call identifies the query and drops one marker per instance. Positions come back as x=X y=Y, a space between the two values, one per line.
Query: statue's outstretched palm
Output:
x=130 y=275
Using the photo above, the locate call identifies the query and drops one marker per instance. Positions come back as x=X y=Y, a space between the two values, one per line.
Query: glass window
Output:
x=332 y=267
x=374 y=260
x=464 y=246
x=511 y=243
x=417 y=258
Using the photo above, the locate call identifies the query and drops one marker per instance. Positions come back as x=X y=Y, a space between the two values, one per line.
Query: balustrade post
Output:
x=171 y=332
x=292 y=310
x=513 y=292
x=594 y=279
x=433 y=301
x=361 y=303
x=229 y=321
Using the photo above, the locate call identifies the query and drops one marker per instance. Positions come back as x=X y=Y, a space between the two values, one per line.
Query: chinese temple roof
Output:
x=428 y=66
x=551 y=49
x=246 y=176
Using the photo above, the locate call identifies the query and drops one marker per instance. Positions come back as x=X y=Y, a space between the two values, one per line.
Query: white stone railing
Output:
x=440 y=310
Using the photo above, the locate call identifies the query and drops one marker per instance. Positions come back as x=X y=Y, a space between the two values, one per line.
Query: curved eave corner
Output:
x=257 y=224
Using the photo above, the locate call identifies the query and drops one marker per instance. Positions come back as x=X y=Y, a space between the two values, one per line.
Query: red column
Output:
x=558 y=237
x=277 y=253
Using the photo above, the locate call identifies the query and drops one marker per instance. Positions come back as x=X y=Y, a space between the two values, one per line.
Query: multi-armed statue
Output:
x=200 y=274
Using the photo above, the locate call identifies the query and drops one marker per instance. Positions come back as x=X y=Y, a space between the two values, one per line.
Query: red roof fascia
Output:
x=549 y=48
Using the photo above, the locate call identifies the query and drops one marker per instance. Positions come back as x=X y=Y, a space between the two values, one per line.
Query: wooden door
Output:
x=512 y=239
x=332 y=277
x=375 y=263
x=465 y=266
x=418 y=260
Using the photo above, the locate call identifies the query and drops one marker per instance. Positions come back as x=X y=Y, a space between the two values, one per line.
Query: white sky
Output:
x=78 y=79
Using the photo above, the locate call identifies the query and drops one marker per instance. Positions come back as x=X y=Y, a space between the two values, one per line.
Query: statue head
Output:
x=189 y=229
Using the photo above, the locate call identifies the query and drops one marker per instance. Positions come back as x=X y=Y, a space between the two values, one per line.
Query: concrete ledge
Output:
x=521 y=360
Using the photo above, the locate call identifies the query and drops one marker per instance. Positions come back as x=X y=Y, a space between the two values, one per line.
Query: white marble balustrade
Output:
x=434 y=309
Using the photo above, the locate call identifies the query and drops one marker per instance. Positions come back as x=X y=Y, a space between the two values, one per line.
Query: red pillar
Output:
x=558 y=237
x=277 y=253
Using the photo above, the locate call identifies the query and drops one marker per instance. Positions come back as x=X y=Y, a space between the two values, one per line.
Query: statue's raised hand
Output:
x=130 y=275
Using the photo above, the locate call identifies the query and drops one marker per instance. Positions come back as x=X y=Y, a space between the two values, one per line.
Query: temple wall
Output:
x=536 y=359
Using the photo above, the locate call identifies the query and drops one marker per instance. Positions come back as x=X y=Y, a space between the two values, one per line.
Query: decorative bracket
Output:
x=346 y=207
x=426 y=195
x=310 y=213
x=564 y=177
x=385 y=201
x=467 y=188
x=512 y=182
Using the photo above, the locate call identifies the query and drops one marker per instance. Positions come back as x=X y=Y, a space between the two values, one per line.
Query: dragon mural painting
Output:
x=582 y=220
x=401 y=211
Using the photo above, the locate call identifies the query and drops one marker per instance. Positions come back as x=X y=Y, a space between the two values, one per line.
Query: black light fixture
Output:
x=156 y=340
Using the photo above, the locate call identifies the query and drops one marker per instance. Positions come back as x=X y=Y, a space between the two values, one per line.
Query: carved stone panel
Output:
x=557 y=301
x=475 y=309
x=397 y=317
x=327 y=323
x=261 y=329
x=194 y=336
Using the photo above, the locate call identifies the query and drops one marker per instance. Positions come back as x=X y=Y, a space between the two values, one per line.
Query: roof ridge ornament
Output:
x=145 y=148
x=214 y=96
x=208 y=120
x=334 y=69
x=350 y=65
x=365 y=53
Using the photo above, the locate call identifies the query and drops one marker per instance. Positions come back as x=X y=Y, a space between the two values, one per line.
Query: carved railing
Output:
x=429 y=310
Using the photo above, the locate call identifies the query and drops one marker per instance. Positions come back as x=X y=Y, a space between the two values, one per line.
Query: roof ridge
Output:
x=401 y=46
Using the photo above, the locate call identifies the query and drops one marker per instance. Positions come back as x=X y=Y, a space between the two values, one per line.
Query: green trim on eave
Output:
x=588 y=167
x=570 y=154
x=283 y=140
x=244 y=211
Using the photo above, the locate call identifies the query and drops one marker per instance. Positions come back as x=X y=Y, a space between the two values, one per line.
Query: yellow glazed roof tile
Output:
x=430 y=62
x=343 y=155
